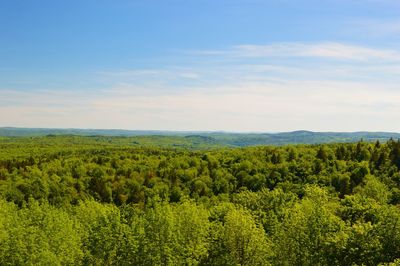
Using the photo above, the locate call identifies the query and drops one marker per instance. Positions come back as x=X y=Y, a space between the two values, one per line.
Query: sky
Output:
x=201 y=65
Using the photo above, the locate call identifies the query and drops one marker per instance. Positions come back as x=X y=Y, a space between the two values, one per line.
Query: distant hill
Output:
x=211 y=138
x=300 y=137
x=19 y=132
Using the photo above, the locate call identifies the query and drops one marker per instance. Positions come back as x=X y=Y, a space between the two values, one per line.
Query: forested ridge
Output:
x=71 y=200
x=193 y=139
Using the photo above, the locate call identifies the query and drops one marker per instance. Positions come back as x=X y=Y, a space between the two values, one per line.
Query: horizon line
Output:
x=190 y=131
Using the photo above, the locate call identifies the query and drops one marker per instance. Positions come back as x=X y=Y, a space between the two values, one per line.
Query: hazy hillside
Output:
x=210 y=138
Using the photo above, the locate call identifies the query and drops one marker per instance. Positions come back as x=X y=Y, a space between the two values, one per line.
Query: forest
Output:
x=91 y=200
x=205 y=138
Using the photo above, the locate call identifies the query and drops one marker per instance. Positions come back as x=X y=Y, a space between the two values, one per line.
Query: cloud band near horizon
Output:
x=325 y=86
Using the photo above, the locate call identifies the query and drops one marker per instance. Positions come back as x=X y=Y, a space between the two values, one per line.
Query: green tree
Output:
x=245 y=240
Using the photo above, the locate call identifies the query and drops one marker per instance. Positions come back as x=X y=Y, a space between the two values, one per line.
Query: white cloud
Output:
x=289 y=105
x=145 y=74
x=357 y=91
x=377 y=27
x=331 y=50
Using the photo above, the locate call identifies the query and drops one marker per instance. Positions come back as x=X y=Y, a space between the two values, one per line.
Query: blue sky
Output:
x=201 y=65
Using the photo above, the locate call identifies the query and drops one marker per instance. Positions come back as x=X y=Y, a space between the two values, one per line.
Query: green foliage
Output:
x=38 y=235
x=245 y=240
x=310 y=231
x=70 y=200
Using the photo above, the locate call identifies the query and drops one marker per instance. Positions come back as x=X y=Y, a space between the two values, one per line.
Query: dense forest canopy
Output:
x=136 y=201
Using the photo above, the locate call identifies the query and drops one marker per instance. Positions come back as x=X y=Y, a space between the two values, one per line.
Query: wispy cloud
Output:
x=287 y=105
x=330 y=50
x=132 y=73
x=377 y=28
x=317 y=86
